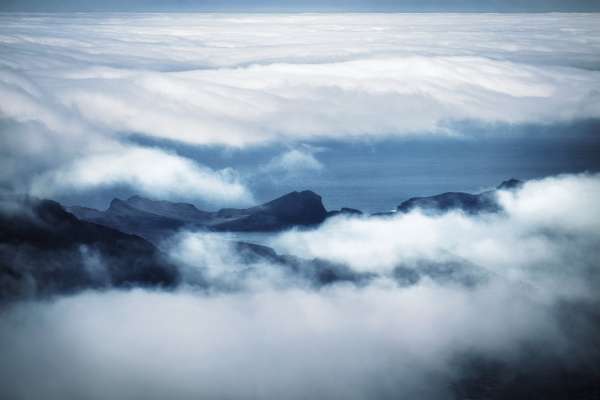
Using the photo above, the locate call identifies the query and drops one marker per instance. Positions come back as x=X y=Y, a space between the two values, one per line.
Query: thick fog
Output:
x=516 y=289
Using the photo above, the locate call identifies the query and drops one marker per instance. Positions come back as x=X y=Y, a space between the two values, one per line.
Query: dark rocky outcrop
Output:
x=154 y=220
x=122 y=216
x=469 y=203
x=45 y=250
x=466 y=202
x=344 y=211
x=178 y=211
x=510 y=184
x=293 y=209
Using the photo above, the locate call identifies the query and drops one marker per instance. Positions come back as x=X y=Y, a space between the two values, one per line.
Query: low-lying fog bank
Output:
x=436 y=306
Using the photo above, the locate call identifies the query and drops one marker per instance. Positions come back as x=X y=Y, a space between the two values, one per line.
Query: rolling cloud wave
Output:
x=237 y=81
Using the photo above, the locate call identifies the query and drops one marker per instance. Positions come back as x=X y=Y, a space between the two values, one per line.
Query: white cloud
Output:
x=338 y=343
x=546 y=237
x=76 y=84
x=373 y=97
x=294 y=162
x=271 y=338
x=240 y=80
x=151 y=171
x=49 y=148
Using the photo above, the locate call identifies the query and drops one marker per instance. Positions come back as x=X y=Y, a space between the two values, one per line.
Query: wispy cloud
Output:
x=151 y=171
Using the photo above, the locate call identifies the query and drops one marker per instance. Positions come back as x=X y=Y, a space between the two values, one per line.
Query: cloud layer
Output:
x=238 y=80
x=548 y=229
x=267 y=335
x=151 y=171
x=79 y=82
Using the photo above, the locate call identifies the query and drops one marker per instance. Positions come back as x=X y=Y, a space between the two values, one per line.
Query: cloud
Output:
x=77 y=87
x=294 y=162
x=151 y=171
x=220 y=80
x=548 y=229
x=373 y=97
x=47 y=149
x=287 y=344
x=263 y=334
x=216 y=262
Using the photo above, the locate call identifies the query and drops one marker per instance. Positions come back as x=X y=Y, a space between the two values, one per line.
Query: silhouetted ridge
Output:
x=470 y=203
x=344 y=211
x=295 y=208
x=510 y=184
x=156 y=219
x=467 y=202
x=46 y=250
x=181 y=211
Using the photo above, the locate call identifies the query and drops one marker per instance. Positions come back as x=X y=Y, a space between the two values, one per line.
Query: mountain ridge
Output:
x=152 y=219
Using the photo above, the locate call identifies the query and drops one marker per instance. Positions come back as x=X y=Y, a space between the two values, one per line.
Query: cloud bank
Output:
x=548 y=229
x=150 y=170
x=76 y=83
x=530 y=318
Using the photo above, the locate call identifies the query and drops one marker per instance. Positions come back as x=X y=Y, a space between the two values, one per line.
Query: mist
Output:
x=517 y=298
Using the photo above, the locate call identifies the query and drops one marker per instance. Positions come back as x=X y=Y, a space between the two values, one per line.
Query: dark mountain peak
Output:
x=510 y=184
x=153 y=219
x=467 y=202
x=53 y=248
x=119 y=206
x=181 y=211
x=296 y=198
x=344 y=211
x=35 y=210
x=52 y=212
x=294 y=208
x=85 y=213
x=136 y=197
x=302 y=205
x=116 y=203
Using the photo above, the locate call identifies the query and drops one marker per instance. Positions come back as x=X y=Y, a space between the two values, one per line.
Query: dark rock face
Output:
x=122 y=216
x=510 y=184
x=344 y=211
x=155 y=220
x=45 y=250
x=466 y=202
x=469 y=203
x=293 y=209
x=178 y=211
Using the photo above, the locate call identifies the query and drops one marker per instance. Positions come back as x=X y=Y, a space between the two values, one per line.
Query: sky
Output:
x=304 y=5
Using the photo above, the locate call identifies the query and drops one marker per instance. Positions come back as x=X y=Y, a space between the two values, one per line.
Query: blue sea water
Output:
x=377 y=175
